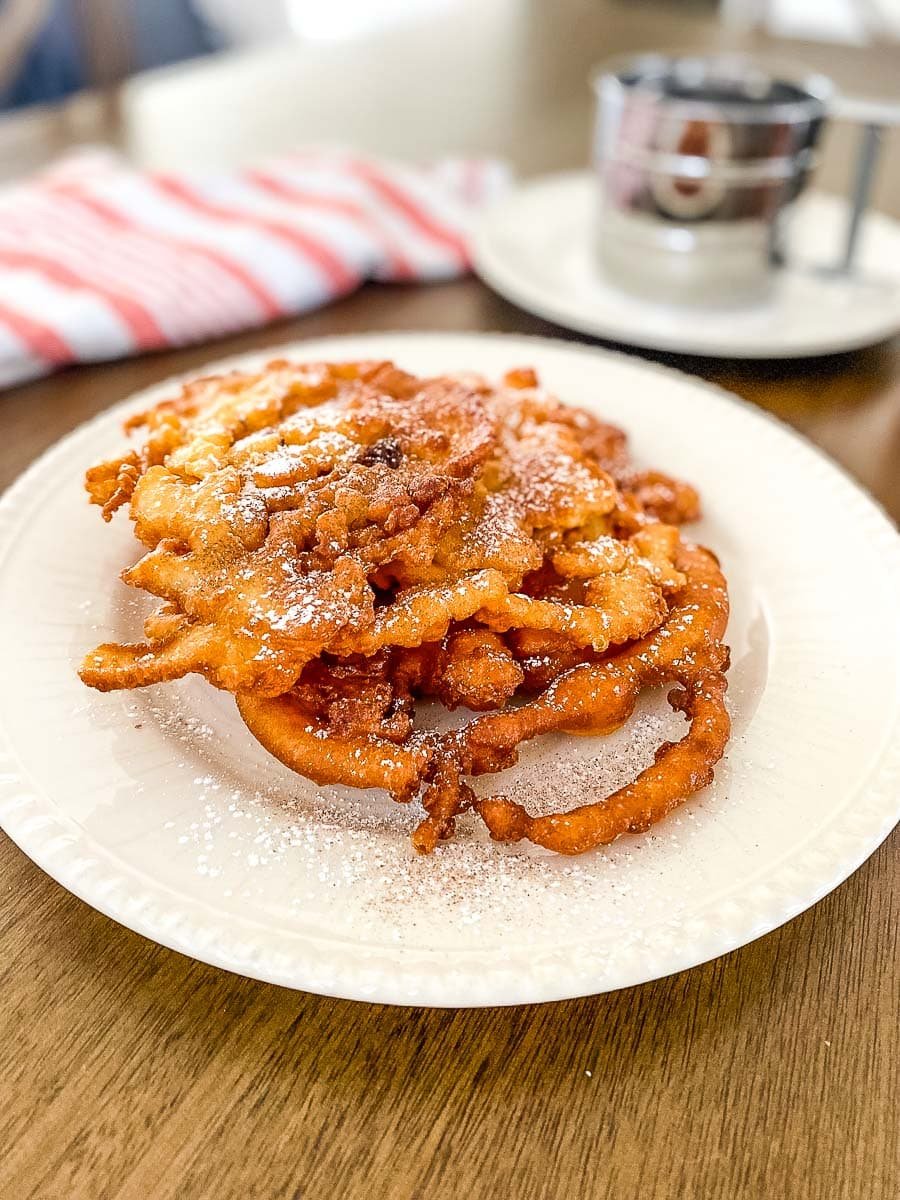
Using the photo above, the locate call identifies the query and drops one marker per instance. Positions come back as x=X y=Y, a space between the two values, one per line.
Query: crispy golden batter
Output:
x=335 y=542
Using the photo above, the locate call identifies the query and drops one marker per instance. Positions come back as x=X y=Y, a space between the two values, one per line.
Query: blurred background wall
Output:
x=52 y=48
x=210 y=84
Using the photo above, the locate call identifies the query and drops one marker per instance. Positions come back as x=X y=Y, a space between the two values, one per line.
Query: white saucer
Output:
x=534 y=248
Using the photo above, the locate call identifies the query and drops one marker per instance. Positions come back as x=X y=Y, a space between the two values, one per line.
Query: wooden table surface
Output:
x=130 y=1071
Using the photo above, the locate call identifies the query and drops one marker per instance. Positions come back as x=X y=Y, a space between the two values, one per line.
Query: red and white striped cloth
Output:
x=100 y=261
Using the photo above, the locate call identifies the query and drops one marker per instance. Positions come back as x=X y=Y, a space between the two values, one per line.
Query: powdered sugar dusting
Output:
x=583 y=770
x=344 y=856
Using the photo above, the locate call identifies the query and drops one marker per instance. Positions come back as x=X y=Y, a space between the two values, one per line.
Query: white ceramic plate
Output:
x=158 y=808
x=534 y=248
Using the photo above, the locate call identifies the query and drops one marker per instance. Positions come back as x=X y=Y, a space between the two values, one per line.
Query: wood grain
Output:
x=128 y=1071
x=131 y=1071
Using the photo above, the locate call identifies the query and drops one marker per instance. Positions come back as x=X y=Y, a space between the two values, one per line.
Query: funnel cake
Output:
x=336 y=543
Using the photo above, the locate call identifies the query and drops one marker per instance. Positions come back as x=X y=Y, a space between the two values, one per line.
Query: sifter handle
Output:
x=873 y=116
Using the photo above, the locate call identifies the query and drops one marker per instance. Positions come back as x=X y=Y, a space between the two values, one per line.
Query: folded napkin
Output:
x=99 y=261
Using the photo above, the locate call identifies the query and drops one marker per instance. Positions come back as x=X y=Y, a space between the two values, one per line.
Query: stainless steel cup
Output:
x=699 y=161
